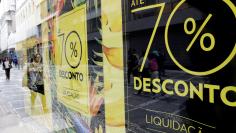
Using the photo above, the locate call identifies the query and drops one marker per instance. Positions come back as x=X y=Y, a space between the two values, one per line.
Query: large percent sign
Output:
x=189 y=32
x=74 y=50
x=199 y=73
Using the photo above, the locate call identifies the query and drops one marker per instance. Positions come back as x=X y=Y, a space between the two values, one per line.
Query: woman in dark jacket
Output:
x=7 y=67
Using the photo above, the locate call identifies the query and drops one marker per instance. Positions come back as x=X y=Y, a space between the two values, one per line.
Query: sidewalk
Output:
x=13 y=118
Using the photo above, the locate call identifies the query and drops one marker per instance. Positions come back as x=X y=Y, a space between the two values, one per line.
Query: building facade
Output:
x=7 y=23
x=121 y=66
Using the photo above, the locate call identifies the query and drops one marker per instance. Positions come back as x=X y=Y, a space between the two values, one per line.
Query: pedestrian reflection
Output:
x=133 y=63
x=7 y=65
x=35 y=82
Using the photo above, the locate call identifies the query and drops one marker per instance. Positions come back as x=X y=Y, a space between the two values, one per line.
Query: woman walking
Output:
x=7 y=67
x=36 y=82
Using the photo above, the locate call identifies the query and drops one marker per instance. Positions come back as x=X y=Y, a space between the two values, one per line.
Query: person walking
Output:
x=146 y=71
x=36 y=82
x=161 y=60
x=133 y=64
x=7 y=67
x=154 y=66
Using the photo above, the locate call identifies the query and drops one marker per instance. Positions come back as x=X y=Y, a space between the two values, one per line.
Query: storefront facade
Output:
x=132 y=66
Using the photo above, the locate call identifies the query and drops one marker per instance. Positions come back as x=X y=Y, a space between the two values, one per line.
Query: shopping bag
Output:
x=25 y=80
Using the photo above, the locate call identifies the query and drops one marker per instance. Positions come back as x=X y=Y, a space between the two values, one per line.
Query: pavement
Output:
x=13 y=115
x=16 y=113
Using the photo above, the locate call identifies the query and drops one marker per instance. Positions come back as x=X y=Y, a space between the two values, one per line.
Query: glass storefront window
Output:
x=132 y=65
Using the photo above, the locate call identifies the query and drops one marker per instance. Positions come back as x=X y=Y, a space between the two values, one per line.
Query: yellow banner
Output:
x=112 y=41
x=71 y=60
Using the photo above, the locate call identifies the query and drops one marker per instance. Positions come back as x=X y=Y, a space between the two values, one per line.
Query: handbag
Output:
x=10 y=66
x=33 y=81
x=25 y=80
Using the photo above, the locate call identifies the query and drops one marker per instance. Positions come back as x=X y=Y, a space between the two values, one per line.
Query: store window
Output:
x=134 y=65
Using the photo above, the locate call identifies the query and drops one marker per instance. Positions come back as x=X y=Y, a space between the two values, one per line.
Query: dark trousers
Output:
x=144 y=74
x=7 y=72
x=132 y=71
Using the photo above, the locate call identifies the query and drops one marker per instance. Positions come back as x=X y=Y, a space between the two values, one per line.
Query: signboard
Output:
x=72 y=64
x=182 y=64
x=112 y=35
x=141 y=66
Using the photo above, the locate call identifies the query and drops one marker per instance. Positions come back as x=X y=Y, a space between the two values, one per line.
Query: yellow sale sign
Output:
x=71 y=60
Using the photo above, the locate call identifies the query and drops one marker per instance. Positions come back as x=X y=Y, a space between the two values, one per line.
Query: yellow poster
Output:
x=71 y=60
x=112 y=40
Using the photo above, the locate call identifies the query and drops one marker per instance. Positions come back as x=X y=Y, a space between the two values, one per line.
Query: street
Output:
x=13 y=114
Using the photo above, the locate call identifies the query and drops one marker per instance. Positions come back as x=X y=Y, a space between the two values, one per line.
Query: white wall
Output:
x=4 y=36
x=6 y=5
x=27 y=17
x=19 y=3
x=7 y=8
